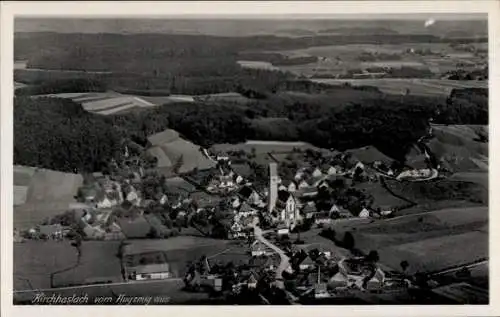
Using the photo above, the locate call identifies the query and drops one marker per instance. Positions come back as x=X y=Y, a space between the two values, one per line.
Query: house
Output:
x=339 y=280
x=309 y=210
x=303 y=184
x=236 y=202
x=245 y=192
x=307 y=263
x=260 y=249
x=246 y=209
x=307 y=192
x=51 y=231
x=365 y=213
x=150 y=272
x=94 y=233
x=340 y=211
x=291 y=186
x=107 y=200
x=132 y=196
x=98 y=175
x=239 y=179
x=317 y=173
x=298 y=176
x=331 y=171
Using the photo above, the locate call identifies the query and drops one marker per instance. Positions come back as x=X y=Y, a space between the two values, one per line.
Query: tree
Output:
x=153 y=233
x=348 y=241
x=372 y=257
x=404 y=265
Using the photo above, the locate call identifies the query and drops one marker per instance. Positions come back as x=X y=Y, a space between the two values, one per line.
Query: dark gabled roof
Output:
x=287 y=182
x=245 y=207
x=50 y=229
x=309 y=208
x=283 y=195
x=245 y=192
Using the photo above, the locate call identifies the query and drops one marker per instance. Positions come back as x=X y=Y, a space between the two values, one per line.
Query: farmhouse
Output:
x=51 y=231
x=260 y=249
x=150 y=272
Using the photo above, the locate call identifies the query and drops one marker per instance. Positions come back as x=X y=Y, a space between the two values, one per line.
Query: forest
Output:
x=58 y=134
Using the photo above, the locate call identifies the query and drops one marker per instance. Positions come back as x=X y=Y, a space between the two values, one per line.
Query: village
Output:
x=133 y=201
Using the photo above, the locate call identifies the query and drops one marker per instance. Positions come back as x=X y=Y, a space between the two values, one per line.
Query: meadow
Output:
x=429 y=242
x=177 y=151
x=398 y=86
x=41 y=193
x=36 y=261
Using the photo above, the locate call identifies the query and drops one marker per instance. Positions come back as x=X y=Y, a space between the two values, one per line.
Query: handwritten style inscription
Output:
x=84 y=299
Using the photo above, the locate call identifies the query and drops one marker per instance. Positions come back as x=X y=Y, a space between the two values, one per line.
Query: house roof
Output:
x=50 y=229
x=245 y=192
x=307 y=261
x=245 y=207
x=152 y=268
x=283 y=195
x=309 y=208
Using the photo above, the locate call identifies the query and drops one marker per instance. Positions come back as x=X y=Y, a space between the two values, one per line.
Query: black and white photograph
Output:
x=251 y=160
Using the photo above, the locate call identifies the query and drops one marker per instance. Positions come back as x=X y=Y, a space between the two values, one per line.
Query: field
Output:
x=174 y=150
x=263 y=147
x=424 y=87
x=430 y=241
x=257 y=65
x=183 y=249
x=337 y=59
x=458 y=147
x=35 y=261
x=105 y=103
x=41 y=193
x=369 y=154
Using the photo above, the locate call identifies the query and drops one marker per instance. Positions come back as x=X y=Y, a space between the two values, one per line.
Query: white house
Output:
x=163 y=199
x=317 y=172
x=299 y=175
x=260 y=249
x=236 y=202
x=303 y=184
x=106 y=202
x=331 y=170
x=239 y=179
x=365 y=213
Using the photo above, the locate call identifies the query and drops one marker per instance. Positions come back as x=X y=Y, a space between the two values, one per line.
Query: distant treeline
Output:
x=277 y=59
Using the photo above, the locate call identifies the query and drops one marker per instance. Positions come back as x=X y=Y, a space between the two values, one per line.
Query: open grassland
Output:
x=337 y=59
x=442 y=234
x=440 y=191
x=107 y=103
x=438 y=253
x=40 y=194
x=263 y=147
x=424 y=87
x=35 y=261
x=173 y=150
x=183 y=249
x=459 y=147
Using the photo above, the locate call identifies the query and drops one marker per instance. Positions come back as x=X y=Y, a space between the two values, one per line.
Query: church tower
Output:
x=273 y=185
